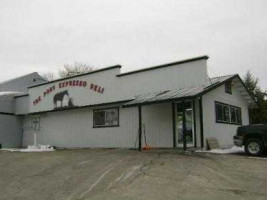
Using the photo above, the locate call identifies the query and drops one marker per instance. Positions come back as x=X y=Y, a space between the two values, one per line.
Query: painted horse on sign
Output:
x=62 y=99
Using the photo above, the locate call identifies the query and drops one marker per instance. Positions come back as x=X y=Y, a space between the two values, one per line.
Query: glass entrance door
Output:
x=189 y=123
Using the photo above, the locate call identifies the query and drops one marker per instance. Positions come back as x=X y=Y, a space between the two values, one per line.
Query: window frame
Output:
x=230 y=107
x=104 y=109
x=228 y=88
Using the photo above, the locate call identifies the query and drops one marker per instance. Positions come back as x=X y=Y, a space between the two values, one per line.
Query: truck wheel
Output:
x=254 y=147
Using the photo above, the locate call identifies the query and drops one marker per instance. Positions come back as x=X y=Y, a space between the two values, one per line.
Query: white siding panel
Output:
x=22 y=105
x=74 y=128
x=10 y=133
x=7 y=104
x=158 y=125
x=172 y=77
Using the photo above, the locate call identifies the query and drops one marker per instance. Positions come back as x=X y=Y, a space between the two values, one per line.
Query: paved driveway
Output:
x=125 y=174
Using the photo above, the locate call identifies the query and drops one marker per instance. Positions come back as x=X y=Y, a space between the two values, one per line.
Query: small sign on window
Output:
x=35 y=123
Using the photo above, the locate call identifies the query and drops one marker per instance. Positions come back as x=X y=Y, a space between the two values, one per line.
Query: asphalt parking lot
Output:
x=128 y=174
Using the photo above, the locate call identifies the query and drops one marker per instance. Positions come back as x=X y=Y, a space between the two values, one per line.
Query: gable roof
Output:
x=190 y=93
x=21 y=83
x=17 y=78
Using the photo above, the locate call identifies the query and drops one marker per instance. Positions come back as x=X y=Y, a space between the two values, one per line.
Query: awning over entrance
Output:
x=190 y=93
x=164 y=96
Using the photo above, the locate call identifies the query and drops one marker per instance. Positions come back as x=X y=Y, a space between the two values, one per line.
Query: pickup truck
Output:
x=253 y=137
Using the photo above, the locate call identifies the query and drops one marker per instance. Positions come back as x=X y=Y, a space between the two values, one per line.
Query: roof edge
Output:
x=6 y=113
x=213 y=87
x=225 y=81
x=165 y=65
x=23 y=95
x=78 y=75
x=158 y=102
x=78 y=107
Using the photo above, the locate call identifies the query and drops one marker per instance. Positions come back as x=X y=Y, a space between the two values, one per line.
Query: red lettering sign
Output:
x=73 y=83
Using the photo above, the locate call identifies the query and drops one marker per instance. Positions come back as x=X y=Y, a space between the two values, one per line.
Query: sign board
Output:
x=60 y=92
x=35 y=123
x=74 y=92
x=212 y=143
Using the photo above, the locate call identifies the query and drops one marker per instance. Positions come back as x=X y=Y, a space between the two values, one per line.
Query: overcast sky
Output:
x=43 y=35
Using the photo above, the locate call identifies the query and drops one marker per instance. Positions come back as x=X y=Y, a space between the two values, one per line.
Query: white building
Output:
x=10 y=124
x=154 y=106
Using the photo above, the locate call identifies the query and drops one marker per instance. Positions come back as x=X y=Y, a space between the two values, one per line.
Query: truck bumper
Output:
x=238 y=141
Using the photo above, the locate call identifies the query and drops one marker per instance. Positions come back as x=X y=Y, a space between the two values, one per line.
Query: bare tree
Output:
x=50 y=76
x=74 y=69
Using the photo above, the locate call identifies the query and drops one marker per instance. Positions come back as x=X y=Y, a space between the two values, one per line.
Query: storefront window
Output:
x=227 y=114
x=238 y=115
x=233 y=115
x=106 y=117
x=219 y=112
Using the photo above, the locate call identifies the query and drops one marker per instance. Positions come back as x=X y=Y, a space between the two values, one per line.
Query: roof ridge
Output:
x=224 y=76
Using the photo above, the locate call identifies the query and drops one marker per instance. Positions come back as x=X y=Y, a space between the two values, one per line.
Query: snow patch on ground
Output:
x=232 y=150
x=259 y=158
x=32 y=148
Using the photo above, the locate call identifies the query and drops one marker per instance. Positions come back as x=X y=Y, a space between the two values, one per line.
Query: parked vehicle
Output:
x=253 y=137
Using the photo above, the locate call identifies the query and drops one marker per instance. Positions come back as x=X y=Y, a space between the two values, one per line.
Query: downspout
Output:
x=174 y=124
x=140 y=128
x=22 y=130
x=194 y=118
x=201 y=122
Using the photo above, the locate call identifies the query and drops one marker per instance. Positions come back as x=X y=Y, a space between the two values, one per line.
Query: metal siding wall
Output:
x=172 y=77
x=7 y=104
x=22 y=105
x=223 y=132
x=158 y=125
x=74 y=129
x=27 y=138
x=10 y=133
